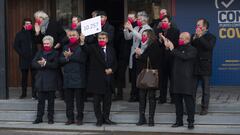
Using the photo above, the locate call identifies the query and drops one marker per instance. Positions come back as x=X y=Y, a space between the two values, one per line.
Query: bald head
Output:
x=185 y=36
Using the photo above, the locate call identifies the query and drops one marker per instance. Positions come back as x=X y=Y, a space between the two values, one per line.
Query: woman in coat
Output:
x=46 y=64
x=150 y=49
x=73 y=59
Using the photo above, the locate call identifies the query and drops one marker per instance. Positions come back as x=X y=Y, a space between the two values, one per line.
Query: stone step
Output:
x=26 y=128
x=120 y=106
x=125 y=117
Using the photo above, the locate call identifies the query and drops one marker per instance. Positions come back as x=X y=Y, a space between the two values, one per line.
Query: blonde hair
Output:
x=49 y=38
x=41 y=14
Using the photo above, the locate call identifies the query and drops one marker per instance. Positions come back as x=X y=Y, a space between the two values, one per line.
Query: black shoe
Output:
x=162 y=101
x=99 y=123
x=117 y=98
x=133 y=99
x=190 y=126
x=69 y=122
x=23 y=96
x=109 y=122
x=141 y=121
x=204 y=111
x=50 y=122
x=177 y=124
x=79 y=122
x=37 y=121
x=151 y=122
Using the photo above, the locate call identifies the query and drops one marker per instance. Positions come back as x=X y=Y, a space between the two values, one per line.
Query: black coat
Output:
x=173 y=35
x=183 y=79
x=25 y=47
x=92 y=39
x=55 y=30
x=204 y=45
x=74 y=68
x=98 y=82
x=45 y=79
x=155 y=54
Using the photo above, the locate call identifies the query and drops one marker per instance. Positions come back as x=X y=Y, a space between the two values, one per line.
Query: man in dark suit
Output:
x=101 y=67
x=183 y=78
x=26 y=49
x=171 y=33
x=204 y=41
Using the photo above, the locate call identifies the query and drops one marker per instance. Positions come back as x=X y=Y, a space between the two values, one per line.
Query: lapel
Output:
x=99 y=54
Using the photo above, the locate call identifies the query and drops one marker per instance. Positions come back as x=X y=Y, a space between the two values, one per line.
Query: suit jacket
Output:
x=204 y=45
x=25 y=47
x=98 y=81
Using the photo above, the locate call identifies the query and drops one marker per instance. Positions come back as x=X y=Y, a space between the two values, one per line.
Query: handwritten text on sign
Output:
x=91 y=26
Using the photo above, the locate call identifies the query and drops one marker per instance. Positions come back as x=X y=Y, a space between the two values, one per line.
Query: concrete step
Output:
x=120 y=106
x=125 y=117
x=26 y=128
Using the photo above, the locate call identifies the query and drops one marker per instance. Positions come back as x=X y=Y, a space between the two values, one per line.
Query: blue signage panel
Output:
x=224 y=19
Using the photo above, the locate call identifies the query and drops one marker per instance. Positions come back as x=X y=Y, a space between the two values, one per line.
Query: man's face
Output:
x=103 y=18
x=102 y=38
x=185 y=37
x=27 y=23
x=200 y=25
x=163 y=12
x=165 y=20
x=132 y=16
x=73 y=34
x=75 y=20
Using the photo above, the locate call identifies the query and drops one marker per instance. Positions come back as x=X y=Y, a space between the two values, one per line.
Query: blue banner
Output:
x=224 y=19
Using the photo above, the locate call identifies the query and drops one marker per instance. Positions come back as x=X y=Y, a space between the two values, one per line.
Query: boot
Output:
x=24 y=93
x=142 y=120
x=152 y=107
x=151 y=121
x=204 y=111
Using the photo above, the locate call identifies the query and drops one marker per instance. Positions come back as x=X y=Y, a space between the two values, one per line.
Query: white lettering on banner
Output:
x=91 y=26
x=229 y=16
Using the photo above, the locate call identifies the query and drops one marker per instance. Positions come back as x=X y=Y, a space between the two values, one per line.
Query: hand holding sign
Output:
x=91 y=26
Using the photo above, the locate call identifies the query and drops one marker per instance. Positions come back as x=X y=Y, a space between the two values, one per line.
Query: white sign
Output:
x=91 y=26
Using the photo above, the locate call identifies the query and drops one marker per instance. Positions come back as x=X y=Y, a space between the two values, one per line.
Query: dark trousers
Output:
x=50 y=97
x=189 y=101
x=102 y=111
x=166 y=77
x=78 y=94
x=142 y=101
x=134 y=90
x=25 y=81
x=205 y=84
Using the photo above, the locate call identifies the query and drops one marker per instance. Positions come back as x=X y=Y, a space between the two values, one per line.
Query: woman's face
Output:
x=47 y=43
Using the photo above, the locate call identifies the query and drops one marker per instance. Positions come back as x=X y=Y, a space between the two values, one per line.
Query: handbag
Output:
x=148 y=77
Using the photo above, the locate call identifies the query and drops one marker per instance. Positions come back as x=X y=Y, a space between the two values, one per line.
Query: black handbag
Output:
x=148 y=78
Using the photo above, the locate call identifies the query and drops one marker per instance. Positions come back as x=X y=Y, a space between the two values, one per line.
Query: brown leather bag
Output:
x=148 y=78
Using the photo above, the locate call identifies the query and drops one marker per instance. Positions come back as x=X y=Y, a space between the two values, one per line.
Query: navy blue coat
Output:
x=74 y=68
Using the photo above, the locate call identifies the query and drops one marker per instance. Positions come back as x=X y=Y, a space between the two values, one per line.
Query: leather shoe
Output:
x=37 y=121
x=177 y=124
x=109 y=122
x=79 y=122
x=190 y=126
x=50 y=122
x=162 y=101
x=99 y=123
x=204 y=111
x=69 y=122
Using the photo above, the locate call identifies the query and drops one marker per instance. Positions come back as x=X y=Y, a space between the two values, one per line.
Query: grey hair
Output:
x=41 y=14
x=49 y=38
x=103 y=33
x=144 y=15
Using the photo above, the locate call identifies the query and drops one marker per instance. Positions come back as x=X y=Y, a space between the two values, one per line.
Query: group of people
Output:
x=67 y=61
